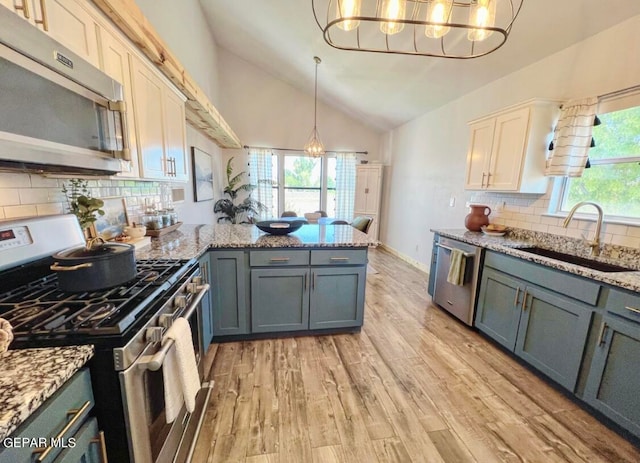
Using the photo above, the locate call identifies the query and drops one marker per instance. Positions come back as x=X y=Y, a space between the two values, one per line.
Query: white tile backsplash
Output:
x=23 y=195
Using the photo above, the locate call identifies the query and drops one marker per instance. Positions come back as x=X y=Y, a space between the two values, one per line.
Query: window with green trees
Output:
x=613 y=180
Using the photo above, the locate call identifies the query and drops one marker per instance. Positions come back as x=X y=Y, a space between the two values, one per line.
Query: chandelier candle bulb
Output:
x=393 y=10
x=348 y=9
x=438 y=11
x=482 y=14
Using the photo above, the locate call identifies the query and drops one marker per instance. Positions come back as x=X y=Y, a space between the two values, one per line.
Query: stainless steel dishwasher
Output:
x=459 y=300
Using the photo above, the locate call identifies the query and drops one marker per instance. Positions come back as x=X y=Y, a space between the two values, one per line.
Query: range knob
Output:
x=180 y=302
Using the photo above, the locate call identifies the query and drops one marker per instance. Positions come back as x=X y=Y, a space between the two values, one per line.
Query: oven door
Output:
x=151 y=438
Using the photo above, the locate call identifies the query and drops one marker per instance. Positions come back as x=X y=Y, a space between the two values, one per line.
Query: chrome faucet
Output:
x=595 y=244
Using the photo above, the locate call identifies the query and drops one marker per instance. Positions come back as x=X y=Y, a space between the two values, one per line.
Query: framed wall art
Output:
x=112 y=223
x=202 y=175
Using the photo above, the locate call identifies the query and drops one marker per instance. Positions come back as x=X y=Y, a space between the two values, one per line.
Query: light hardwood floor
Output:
x=414 y=386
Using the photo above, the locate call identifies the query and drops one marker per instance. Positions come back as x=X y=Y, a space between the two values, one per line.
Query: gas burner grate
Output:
x=40 y=308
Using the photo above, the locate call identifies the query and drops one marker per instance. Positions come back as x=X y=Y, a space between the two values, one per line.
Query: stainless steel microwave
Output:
x=58 y=113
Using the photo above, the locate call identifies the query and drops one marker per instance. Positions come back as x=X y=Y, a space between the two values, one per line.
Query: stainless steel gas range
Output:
x=126 y=324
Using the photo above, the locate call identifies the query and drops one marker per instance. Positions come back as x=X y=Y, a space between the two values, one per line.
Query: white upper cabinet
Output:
x=368 y=194
x=68 y=21
x=116 y=60
x=160 y=124
x=71 y=24
x=507 y=149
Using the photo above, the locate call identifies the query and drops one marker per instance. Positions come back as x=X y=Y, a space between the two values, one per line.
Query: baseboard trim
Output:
x=414 y=263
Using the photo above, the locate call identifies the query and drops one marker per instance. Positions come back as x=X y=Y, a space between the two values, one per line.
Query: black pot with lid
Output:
x=94 y=267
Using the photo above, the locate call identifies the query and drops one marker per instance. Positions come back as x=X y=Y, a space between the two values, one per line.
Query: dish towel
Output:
x=6 y=335
x=457 y=268
x=180 y=371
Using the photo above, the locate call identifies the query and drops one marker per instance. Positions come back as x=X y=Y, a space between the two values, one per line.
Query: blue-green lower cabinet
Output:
x=547 y=330
x=498 y=310
x=552 y=334
x=279 y=299
x=337 y=297
x=89 y=444
x=612 y=386
x=206 y=317
x=229 y=295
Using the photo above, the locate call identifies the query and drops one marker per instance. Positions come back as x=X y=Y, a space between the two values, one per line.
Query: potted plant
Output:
x=81 y=204
x=232 y=209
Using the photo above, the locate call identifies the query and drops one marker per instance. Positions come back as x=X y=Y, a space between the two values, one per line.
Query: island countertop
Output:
x=191 y=241
x=28 y=377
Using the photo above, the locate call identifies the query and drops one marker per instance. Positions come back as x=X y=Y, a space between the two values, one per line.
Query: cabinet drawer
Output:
x=556 y=280
x=339 y=257
x=62 y=407
x=278 y=258
x=625 y=304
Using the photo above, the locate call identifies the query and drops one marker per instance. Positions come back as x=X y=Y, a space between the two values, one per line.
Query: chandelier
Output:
x=314 y=146
x=458 y=29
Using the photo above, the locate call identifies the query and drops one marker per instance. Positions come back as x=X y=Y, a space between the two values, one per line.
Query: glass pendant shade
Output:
x=438 y=11
x=482 y=14
x=314 y=146
x=348 y=9
x=390 y=10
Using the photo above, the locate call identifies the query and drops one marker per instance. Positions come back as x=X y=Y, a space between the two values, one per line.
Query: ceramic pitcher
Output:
x=478 y=217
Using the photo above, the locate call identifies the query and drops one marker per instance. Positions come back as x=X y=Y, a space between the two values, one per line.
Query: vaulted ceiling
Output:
x=382 y=90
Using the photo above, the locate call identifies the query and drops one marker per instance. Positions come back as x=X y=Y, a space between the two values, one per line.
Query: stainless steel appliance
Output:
x=59 y=113
x=126 y=324
x=459 y=300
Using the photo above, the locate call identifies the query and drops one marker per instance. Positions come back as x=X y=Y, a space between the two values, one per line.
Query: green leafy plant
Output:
x=80 y=203
x=233 y=209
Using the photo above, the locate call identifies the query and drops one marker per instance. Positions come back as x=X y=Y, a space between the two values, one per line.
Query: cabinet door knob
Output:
x=524 y=301
x=482 y=181
x=603 y=330
x=99 y=439
x=515 y=301
x=43 y=12
x=76 y=414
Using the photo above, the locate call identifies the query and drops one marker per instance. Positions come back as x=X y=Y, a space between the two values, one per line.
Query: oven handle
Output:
x=154 y=362
x=466 y=254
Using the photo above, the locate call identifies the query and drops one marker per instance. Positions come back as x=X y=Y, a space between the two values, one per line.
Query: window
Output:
x=294 y=182
x=613 y=180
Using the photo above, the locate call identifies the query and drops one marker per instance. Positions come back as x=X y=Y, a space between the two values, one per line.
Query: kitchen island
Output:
x=311 y=281
x=30 y=376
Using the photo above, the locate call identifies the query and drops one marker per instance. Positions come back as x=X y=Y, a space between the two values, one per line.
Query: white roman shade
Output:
x=572 y=138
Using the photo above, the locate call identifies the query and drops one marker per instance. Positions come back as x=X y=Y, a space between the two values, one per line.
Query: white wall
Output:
x=429 y=153
x=265 y=111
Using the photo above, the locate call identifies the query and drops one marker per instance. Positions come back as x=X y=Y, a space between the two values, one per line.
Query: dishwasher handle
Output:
x=466 y=254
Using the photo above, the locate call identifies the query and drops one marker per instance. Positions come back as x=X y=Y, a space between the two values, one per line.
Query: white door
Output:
x=71 y=24
x=479 y=154
x=116 y=63
x=507 y=154
x=175 y=135
x=148 y=109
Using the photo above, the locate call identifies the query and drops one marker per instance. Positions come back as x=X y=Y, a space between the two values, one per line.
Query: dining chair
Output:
x=362 y=223
x=339 y=222
x=289 y=214
x=322 y=213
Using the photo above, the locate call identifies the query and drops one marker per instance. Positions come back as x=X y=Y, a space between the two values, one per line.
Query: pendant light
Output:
x=454 y=29
x=314 y=146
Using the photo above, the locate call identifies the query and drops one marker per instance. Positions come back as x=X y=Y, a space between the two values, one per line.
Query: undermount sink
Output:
x=582 y=261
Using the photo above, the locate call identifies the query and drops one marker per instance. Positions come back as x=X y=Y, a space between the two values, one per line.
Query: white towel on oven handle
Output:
x=180 y=370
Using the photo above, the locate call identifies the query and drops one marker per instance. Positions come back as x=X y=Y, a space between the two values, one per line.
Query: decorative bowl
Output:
x=135 y=232
x=275 y=227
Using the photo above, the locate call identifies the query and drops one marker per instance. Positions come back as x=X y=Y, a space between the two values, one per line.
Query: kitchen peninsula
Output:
x=310 y=281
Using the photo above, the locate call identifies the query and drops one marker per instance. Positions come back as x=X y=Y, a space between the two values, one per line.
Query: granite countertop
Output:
x=191 y=241
x=28 y=377
x=510 y=244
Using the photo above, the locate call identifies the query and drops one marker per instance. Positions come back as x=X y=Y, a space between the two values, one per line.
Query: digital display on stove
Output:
x=7 y=235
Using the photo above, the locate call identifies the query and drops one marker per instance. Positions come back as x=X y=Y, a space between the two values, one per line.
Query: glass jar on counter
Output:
x=173 y=216
x=164 y=217
x=152 y=220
